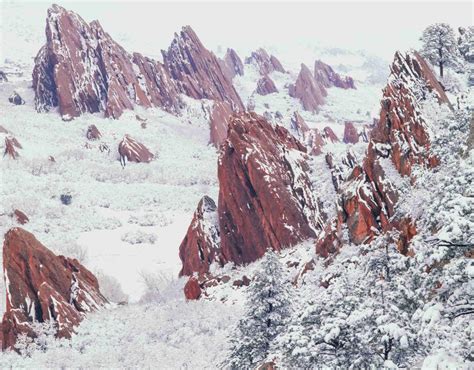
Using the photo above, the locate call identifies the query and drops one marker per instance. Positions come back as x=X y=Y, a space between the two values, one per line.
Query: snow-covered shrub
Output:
x=138 y=237
x=111 y=288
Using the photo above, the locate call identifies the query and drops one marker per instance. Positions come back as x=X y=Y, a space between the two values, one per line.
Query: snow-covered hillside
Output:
x=400 y=297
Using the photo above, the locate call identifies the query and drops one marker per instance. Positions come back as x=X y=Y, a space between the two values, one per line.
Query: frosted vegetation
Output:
x=370 y=306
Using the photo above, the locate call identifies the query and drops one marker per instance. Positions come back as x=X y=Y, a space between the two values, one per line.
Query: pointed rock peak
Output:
x=265 y=196
x=266 y=86
x=265 y=63
x=325 y=75
x=131 y=150
x=308 y=90
x=41 y=286
x=201 y=245
x=234 y=63
x=298 y=124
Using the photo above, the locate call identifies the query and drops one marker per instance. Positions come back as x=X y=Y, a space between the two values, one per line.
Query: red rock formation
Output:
x=233 y=63
x=351 y=136
x=197 y=71
x=3 y=130
x=324 y=74
x=266 y=86
x=20 y=217
x=314 y=141
x=41 y=286
x=400 y=139
x=132 y=151
x=220 y=117
x=266 y=63
x=11 y=146
x=200 y=247
x=82 y=69
x=329 y=135
x=299 y=125
x=265 y=196
x=310 y=93
x=192 y=289
x=93 y=133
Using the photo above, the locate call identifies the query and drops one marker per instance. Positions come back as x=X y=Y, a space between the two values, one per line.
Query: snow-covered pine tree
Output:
x=267 y=311
x=440 y=46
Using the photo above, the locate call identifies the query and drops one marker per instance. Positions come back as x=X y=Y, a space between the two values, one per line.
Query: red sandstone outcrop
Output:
x=11 y=146
x=330 y=135
x=131 y=150
x=197 y=71
x=266 y=86
x=41 y=286
x=233 y=64
x=315 y=141
x=351 y=136
x=192 y=289
x=324 y=74
x=265 y=196
x=266 y=63
x=82 y=69
x=201 y=245
x=219 y=121
x=310 y=93
x=93 y=133
x=299 y=125
x=399 y=139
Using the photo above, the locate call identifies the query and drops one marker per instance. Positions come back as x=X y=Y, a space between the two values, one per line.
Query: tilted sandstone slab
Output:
x=201 y=245
x=265 y=196
x=41 y=286
x=326 y=75
x=82 y=69
x=265 y=63
x=132 y=151
x=266 y=86
x=310 y=92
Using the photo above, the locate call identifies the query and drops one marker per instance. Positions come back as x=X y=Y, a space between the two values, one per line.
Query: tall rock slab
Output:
x=82 y=69
x=310 y=92
x=197 y=71
x=265 y=196
x=201 y=245
x=41 y=286
x=325 y=75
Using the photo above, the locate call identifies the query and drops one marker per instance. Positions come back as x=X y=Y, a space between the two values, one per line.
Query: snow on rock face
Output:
x=132 y=151
x=310 y=92
x=201 y=245
x=266 y=86
x=324 y=74
x=220 y=117
x=265 y=196
x=82 y=69
x=299 y=125
x=266 y=63
x=233 y=64
x=41 y=286
x=197 y=71
x=369 y=198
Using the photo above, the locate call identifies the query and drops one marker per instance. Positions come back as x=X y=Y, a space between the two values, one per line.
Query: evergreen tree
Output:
x=268 y=307
x=440 y=46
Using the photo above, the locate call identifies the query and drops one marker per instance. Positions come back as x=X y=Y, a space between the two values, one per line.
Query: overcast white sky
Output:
x=380 y=27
